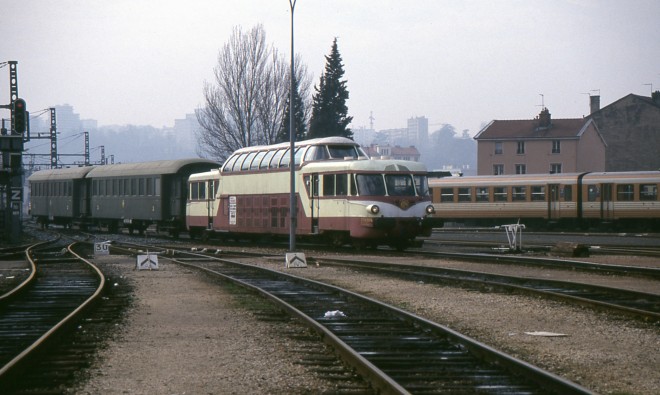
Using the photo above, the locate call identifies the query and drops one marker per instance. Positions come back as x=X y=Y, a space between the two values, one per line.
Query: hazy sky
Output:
x=459 y=62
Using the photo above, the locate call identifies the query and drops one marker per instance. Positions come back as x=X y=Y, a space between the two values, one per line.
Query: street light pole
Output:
x=292 y=139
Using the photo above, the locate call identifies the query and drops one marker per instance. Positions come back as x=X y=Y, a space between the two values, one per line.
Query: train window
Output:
x=354 y=189
x=134 y=186
x=593 y=193
x=400 y=185
x=115 y=187
x=625 y=192
x=101 y=187
x=194 y=191
x=648 y=192
x=465 y=194
x=500 y=194
x=446 y=195
x=141 y=186
x=341 y=188
x=538 y=193
x=157 y=186
x=248 y=161
x=370 y=184
x=286 y=158
x=229 y=164
x=266 y=160
x=342 y=151
x=482 y=194
x=422 y=185
x=568 y=193
x=275 y=162
x=297 y=158
x=316 y=152
x=518 y=194
x=202 y=190
x=328 y=184
x=150 y=186
x=239 y=162
x=257 y=160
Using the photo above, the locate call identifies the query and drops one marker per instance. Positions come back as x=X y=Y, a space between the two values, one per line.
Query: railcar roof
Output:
x=364 y=165
x=146 y=168
x=69 y=173
x=215 y=173
x=317 y=141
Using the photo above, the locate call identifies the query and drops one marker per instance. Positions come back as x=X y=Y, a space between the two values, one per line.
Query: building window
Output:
x=521 y=169
x=498 y=148
x=498 y=170
x=555 y=168
x=556 y=146
x=521 y=148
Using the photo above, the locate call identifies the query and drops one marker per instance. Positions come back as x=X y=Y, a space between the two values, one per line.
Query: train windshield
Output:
x=391 y=185
x=422 y=185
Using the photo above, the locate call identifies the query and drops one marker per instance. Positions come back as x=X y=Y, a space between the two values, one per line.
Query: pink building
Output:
x=540 y=145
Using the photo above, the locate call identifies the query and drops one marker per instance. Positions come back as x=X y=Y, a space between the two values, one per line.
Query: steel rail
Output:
x=379 y=379
x=10 y=366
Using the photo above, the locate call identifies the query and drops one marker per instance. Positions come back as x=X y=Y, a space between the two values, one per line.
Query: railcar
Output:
x=130 y=195
x=341 y=195
x=59 y=196
x=568 y=200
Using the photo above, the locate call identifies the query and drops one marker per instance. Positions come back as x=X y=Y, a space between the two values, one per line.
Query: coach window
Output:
x=150 y=186
x=257 y=160
x=266 y=160
x=593 y=193
x=400 y=185
x=157 y=186
x=422 y=185
x=101 y=187
x=229 y=164
x=538 y=193
x=500 y=194
x=567 y=191
x=341 y=185
x=202 y=190
x=625 y=192
x=446 y=195
x=519 y=194
x=482 y=194
x=141 y=186
x=248 y=161
x=297 y=157
x=134 y=186
x=194 y=191
x=286 y=158
x=316 y=152
x=648 y=192
x=275 y=162
x=328 y=185
x=239 y=162
x=354 y=189
x=464 y=194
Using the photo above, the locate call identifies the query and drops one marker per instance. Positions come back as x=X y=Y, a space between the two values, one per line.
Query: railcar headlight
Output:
x=430 y=209
x=373 y=209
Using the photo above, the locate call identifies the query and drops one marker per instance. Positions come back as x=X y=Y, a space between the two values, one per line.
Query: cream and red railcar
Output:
x=624 y=199
x=340 y=193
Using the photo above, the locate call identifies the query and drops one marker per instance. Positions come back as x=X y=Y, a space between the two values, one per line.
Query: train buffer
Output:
x=514 y=235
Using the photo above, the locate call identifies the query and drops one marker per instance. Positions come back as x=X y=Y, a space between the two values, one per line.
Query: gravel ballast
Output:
x=186 y=334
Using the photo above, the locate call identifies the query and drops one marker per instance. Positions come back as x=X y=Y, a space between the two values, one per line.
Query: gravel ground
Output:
x=187 y=335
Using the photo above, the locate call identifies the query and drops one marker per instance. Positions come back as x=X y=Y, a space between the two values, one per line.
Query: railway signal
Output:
x=20 y=115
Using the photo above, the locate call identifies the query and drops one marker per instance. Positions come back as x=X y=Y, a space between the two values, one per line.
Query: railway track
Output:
x=640 y=305
x=395 y=351
x=38 y=312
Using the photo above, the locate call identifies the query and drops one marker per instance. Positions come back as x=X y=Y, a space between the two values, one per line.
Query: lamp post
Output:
x=292 y=139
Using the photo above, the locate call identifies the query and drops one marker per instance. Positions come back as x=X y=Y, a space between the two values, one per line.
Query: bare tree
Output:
x=245 y=104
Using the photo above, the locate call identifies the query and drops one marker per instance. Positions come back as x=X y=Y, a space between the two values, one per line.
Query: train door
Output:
x=314 y=201
x=554 y=213
x=606 y=204
x=212 y=188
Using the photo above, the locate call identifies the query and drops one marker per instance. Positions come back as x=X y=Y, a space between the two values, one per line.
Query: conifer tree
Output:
x=298 y=117
x=329 y=110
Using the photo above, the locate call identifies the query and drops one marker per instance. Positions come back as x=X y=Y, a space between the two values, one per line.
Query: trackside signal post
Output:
x=11 y=167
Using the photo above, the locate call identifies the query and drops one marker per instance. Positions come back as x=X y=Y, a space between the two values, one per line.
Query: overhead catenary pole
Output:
x=292 y=139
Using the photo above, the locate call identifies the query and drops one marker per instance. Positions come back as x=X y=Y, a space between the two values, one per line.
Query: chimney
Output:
x=594 y=103
x=544 y=118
